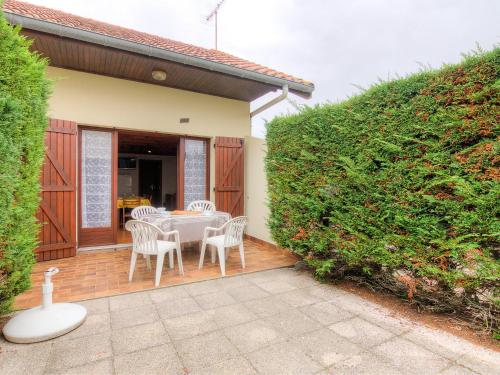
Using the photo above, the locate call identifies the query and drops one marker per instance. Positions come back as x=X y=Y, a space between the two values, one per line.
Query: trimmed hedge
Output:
x=399 y=187
x=23 y=103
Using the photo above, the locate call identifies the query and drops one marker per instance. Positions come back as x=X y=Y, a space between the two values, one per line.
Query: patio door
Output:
x=98 y=181
x=229 y=175
x=57 y=210
x=193 y=165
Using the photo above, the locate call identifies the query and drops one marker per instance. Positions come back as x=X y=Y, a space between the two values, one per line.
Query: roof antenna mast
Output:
x=213 y=14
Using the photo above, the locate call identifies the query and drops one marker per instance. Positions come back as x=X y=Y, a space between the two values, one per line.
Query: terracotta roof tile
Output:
x=67 y=19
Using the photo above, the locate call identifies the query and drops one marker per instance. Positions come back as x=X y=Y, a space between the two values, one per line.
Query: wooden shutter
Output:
x=229 y=175
x=57 y=210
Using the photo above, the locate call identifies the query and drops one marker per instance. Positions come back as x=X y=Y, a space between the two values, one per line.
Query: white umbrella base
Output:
x=40 y=324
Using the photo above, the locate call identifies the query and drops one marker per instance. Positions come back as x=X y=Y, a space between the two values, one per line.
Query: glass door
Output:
x=194 y=170
x=98 y=174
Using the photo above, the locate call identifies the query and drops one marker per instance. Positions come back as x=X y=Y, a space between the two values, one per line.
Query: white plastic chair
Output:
x=201 y=206
x=141 y=211
x=232 y=236
x=146 y=242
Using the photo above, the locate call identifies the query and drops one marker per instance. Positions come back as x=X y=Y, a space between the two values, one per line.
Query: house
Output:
x=138 y=114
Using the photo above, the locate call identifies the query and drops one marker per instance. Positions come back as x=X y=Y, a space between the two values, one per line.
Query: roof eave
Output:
x=160 y=53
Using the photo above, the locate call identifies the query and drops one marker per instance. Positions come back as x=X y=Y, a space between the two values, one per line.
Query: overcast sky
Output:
x=335 y=44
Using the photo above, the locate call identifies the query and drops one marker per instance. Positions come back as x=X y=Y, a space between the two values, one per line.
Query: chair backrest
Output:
x=144 y=236
x=141 y=211
x=201 y=206
x=233 y=235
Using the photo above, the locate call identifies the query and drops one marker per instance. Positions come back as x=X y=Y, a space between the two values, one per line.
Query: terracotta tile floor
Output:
x=105 y=273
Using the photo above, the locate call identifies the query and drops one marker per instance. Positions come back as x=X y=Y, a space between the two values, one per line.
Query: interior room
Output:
x=147 y=174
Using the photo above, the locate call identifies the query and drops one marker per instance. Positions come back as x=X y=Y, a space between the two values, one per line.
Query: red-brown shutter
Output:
x=229 y=175
x=57 y=211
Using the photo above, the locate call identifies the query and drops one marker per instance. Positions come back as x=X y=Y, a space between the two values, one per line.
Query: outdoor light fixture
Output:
x=159 y=75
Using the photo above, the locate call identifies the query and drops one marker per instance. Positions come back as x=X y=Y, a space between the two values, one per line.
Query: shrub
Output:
x=399 y=187
x=23 y=103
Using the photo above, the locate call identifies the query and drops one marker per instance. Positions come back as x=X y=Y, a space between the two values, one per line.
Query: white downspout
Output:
x=269 y=104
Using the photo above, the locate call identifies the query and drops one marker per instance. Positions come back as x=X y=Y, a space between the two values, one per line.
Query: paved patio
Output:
x=105 y=273
x=271 y=322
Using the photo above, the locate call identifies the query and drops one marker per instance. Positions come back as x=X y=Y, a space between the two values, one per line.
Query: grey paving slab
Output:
x=363 y=364
x=361 y=332
x=79 y=351
x=214 y=300
x=103 y=367
x=177 y=307
x=283 y=358
x=293 y=322
x=326 y=312
x=248 y=292
x=128 y=301
x=24 y=359
x=457 y=370
x=168 y=294
x=205 y=350
x=268 y=275
x=231 y=282
x=190 y=325
x=388 y=321
x=300 y=297
x=139 y=337
x=410 y=357
x=326 y=292
x=277 y=286
x=268 y=306
x=133 y=317
x=485 y=362
x=96 y=306
x=93 y=325
x=161 y=360
x=237 y=365
x=373 y=313
x=253 y=335
x=202 y=287
x=231 y=315
x=262 y=327
x=301 y=279
x=451 y=347
x=325 y=347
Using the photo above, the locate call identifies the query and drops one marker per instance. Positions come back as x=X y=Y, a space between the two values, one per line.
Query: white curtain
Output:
x=195 y=171
x=96 y=178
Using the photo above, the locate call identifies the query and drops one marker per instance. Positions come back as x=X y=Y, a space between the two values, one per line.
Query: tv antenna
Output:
x=213 y=14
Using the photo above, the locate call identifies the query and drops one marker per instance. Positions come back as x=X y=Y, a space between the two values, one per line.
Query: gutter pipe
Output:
x=143 y=49
x=269 y=104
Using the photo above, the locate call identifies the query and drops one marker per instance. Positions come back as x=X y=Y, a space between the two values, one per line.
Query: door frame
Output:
x=114 y=188
x=110 y=234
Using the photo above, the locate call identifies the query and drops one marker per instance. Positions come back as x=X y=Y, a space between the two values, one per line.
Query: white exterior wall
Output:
x=96 y=100
x=256 y=202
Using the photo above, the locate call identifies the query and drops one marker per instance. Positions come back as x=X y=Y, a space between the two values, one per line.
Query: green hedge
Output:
x=399 y=183
x=23 y=103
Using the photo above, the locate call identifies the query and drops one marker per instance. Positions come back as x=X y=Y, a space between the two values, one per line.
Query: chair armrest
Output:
x=174 y=233
x=212 y=229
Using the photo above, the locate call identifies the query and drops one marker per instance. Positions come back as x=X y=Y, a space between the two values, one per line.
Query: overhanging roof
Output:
x=83 y=44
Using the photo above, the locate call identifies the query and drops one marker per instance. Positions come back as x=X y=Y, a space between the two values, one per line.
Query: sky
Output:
x=338 y=45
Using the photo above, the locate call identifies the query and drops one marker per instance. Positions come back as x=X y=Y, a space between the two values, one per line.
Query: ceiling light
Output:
x=149 y=151
x=158 y=75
